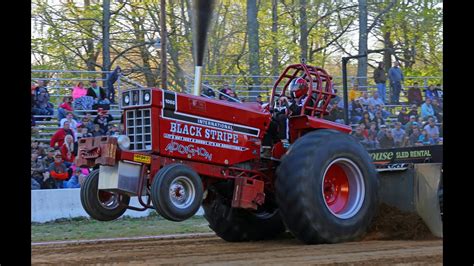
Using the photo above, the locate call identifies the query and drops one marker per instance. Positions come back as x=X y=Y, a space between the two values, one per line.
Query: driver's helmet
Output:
x=298 y=87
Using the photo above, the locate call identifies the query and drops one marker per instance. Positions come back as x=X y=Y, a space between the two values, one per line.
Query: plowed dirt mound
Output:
x=392 y=224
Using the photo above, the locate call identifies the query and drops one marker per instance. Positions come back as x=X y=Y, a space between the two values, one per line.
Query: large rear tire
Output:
x=237 y=225
x=102 y=205
x=326 y=188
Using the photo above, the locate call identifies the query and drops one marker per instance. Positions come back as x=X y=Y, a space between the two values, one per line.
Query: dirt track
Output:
x=213 y=250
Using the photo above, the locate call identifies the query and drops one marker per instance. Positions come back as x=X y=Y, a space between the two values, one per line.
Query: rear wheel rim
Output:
x=182 y=192
x=343 y=188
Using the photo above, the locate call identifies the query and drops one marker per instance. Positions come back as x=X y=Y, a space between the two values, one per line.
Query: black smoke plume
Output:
x=202 y=15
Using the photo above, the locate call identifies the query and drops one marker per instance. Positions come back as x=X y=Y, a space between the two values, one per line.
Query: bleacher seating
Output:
x=47 y=125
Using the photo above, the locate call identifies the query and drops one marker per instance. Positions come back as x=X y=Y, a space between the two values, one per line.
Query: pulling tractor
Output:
x=181 y=151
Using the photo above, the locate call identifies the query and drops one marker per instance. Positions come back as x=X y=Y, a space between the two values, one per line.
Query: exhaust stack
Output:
x=197 y=80
x=202 y=14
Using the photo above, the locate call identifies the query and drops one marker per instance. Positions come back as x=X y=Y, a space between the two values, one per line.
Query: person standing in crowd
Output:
x=60 y=134
x=427 y=109
x=111 y=79
x=395 y=76
x=380 y=79
x=403 y=116
x=414 y=95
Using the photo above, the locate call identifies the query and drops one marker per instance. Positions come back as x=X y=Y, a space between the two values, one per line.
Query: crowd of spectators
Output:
x=374 y=126
x=52 y=166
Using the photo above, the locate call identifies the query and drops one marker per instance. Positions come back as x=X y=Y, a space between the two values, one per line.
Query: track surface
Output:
x=209 y=249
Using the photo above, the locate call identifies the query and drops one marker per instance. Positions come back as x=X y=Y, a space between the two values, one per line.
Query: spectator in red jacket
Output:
x=58 y=137
x=67 y=150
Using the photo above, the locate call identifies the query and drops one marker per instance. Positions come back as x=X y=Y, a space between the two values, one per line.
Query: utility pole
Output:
x=164 y=73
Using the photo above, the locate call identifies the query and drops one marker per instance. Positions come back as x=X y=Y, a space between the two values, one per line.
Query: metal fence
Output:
x=61 y=83
x=244 y=87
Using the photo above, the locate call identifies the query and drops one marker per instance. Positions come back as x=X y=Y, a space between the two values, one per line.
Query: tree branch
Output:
x=376 y=19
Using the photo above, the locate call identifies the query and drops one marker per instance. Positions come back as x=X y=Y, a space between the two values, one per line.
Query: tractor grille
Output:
x=139 y=129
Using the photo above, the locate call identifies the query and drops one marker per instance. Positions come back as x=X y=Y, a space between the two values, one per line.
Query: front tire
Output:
x=326 y=188
x=176 y=192
x=237 y=225
x=102 y=205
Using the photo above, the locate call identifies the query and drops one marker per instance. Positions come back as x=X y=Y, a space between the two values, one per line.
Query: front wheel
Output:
x=102 y=205
x=176 y=192
x=326 y=188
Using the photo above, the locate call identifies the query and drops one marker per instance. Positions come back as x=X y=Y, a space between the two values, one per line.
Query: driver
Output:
x=298 y=91
x=290 y=107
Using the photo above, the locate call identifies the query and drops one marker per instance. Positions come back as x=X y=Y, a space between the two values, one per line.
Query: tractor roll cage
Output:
x=319 y=94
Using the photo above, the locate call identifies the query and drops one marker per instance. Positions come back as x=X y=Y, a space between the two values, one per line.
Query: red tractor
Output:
x=256 y=170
